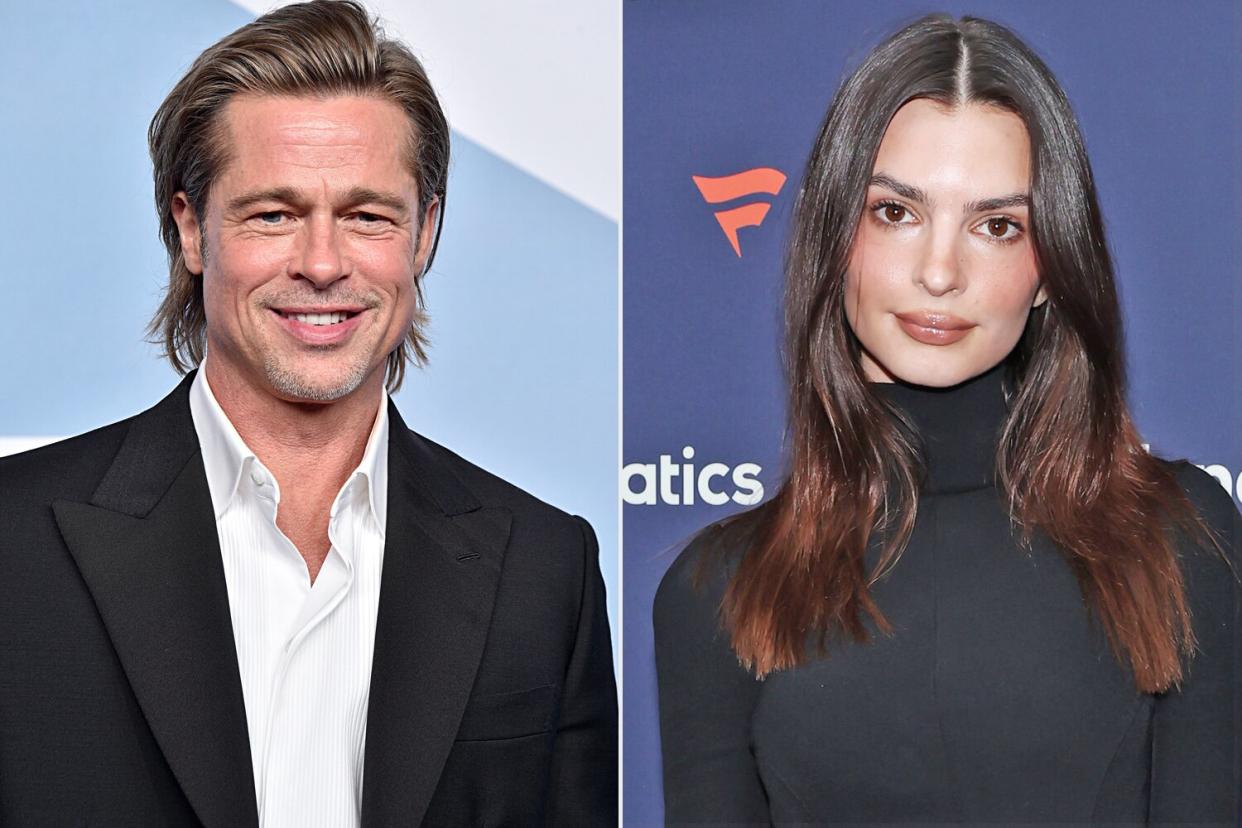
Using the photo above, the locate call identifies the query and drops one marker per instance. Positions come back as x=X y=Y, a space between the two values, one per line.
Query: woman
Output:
x=976 y=596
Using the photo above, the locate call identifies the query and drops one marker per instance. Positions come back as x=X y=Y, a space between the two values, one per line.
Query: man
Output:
x=265 y=600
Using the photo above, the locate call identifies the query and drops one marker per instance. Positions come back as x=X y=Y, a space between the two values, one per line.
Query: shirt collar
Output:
x=373 y=468
x=226 y=457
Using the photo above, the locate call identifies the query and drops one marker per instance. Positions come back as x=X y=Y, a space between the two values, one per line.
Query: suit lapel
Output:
x=442 y=560
x=147 y=548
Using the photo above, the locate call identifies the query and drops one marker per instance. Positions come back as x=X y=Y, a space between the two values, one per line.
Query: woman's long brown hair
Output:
x=1069 y=460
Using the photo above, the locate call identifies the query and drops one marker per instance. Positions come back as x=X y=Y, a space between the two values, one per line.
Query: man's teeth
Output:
x=319 y=318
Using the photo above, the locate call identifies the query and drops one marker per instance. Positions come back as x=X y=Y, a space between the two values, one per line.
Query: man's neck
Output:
x=311 y=448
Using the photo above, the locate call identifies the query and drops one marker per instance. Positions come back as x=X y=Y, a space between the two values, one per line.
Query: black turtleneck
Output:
x=997 y=698
x=957 y=427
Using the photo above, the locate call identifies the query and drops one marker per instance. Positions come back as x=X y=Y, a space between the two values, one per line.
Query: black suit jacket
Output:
x=492 y=694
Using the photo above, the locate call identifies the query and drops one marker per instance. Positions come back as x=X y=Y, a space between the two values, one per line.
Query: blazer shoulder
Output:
x=489 y=488
x=548 y=550
x=492 y=490
x=71 y=468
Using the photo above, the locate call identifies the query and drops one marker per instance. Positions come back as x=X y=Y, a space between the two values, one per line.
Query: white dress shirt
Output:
x=304 y=651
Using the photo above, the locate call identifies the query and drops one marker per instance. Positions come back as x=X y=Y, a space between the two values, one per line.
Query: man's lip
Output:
x=329 y=309
x=936 y=320
x=319 y=335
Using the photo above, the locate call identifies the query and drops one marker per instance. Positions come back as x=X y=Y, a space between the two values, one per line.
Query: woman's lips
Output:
x=932 y=328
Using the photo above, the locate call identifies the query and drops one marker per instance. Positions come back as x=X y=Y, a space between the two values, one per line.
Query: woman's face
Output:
x=942 y=274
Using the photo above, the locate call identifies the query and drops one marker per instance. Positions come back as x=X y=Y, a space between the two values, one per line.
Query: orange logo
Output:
x=730 y=187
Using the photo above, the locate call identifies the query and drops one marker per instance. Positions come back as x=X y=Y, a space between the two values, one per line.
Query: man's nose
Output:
x=941 y=270
x=318 y=256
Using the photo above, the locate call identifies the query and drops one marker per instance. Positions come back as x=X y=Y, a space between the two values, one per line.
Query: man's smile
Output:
x=328 y=326
x=326 y=315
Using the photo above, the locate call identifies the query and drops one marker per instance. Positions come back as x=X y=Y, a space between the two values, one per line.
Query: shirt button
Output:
x=257 y=478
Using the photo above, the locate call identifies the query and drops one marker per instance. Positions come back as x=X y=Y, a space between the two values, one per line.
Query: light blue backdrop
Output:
x=523 y=295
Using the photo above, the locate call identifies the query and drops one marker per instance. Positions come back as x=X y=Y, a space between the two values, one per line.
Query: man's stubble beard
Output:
x=292 y=383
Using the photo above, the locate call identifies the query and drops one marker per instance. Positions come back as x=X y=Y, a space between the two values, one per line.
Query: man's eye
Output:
x=370 y=218
x=273 y=218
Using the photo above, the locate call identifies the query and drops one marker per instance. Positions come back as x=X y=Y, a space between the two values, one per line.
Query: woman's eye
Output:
x=890 y=213
x=1001 y=229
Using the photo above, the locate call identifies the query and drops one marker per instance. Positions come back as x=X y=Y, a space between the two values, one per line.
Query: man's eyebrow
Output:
x=913 y=193
x=365 y=195
x=288 y=195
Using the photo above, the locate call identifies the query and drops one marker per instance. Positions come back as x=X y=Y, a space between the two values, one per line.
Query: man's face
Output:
x=313 y=244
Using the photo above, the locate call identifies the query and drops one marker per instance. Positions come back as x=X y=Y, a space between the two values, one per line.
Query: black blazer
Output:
x=492 y=693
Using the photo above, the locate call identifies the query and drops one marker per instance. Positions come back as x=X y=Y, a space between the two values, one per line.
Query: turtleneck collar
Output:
x=958 y=426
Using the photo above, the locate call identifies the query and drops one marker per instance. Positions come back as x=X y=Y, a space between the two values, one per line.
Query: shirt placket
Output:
x=325 y=595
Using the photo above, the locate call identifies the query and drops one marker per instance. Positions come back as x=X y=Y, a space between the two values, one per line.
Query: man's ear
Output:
x=190 y=231
x=427 y=235
x=1041 y=296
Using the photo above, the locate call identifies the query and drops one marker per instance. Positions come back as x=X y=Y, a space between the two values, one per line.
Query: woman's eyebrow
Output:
x=904 y=190
x=916 y=194
x=998 y=203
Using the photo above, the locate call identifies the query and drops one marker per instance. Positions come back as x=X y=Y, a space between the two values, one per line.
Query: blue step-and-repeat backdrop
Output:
x=737 y=90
